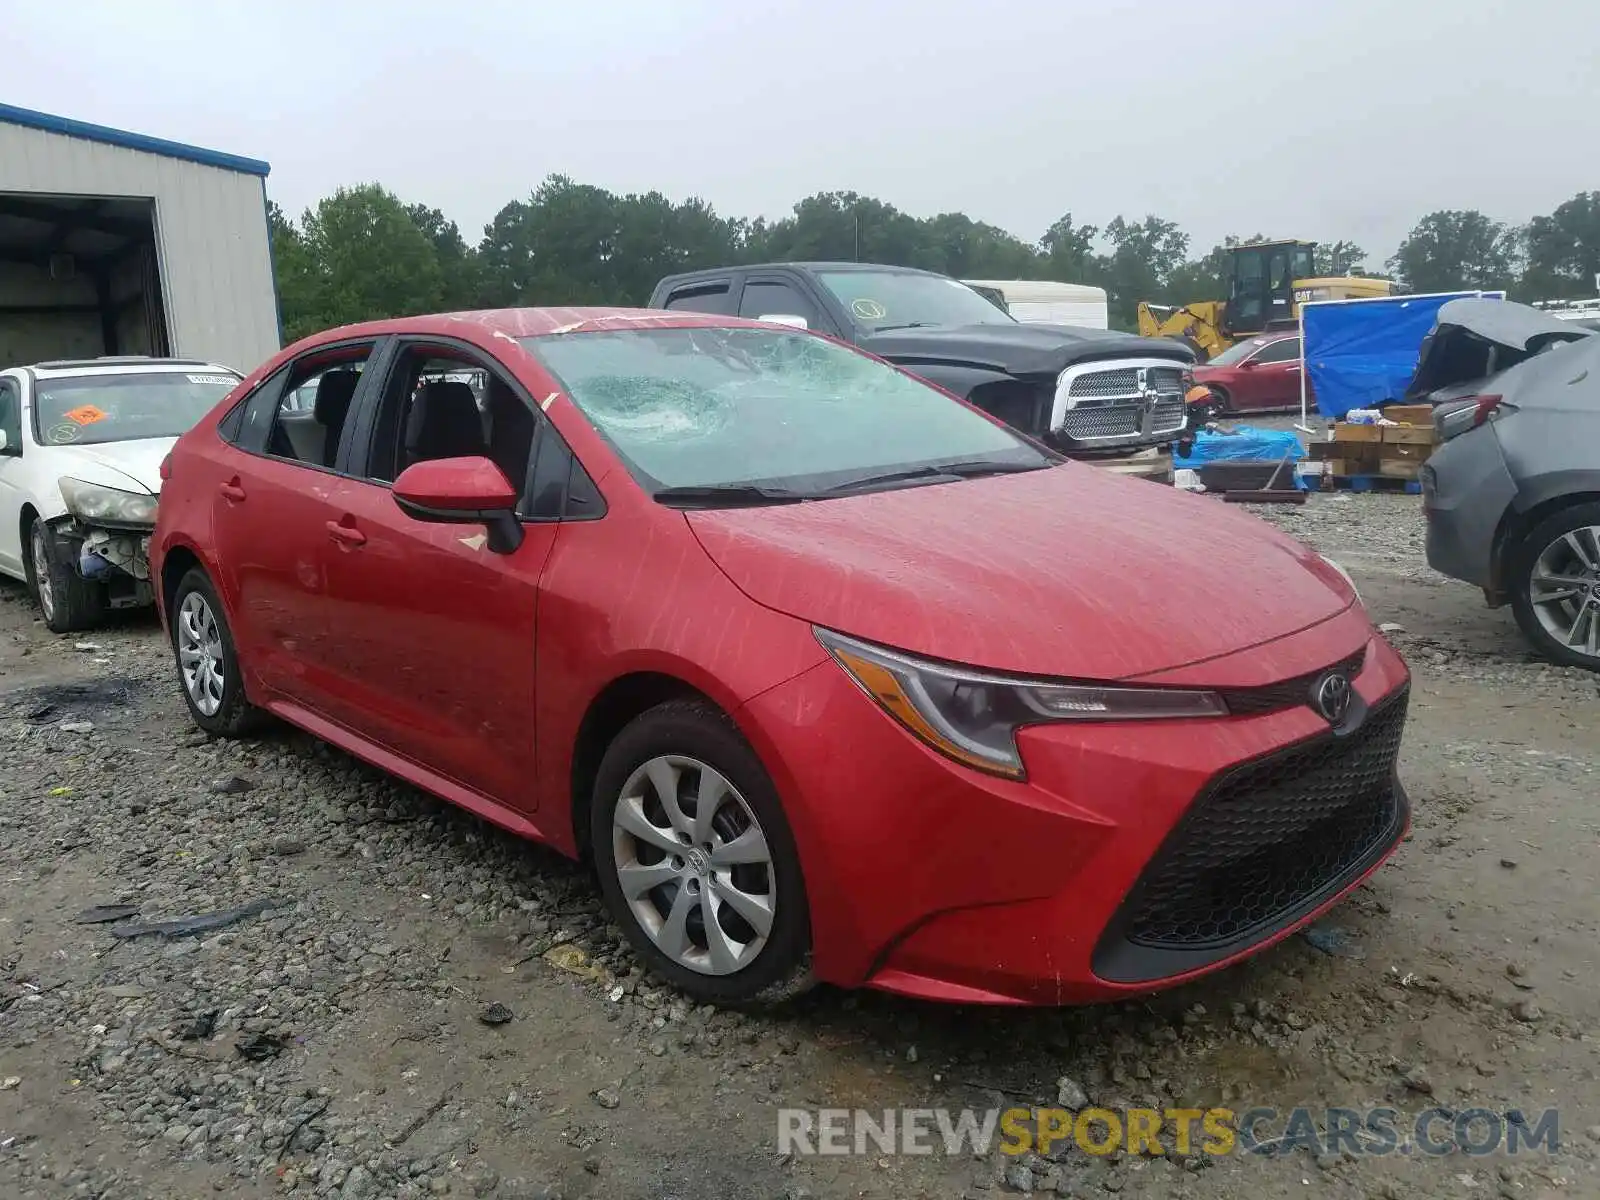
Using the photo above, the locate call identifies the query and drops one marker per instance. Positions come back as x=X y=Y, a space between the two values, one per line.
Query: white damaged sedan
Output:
x=81 y=446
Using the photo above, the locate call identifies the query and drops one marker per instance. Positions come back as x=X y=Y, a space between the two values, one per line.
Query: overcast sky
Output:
x=1320 y=119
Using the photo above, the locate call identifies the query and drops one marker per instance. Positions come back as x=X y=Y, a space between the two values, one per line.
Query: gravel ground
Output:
x=430 y=1007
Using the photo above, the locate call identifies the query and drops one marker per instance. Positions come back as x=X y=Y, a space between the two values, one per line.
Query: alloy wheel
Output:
x=43 y=576
x=1564 y=590
x=693 y=865
x=200 y=654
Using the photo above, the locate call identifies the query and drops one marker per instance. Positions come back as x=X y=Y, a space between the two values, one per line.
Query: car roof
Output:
x=813 y=267
x=531 y=322
x=124 y=365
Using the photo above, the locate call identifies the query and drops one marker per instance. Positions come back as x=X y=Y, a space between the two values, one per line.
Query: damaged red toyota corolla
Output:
x=831 y=675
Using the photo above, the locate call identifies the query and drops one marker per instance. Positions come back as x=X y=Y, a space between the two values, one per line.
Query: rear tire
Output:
x=208 y=664
x=1548 y=612
x=69 y=602
x=712 y=901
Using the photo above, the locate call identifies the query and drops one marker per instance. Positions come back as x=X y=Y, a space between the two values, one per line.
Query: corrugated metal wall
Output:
x=211 y=227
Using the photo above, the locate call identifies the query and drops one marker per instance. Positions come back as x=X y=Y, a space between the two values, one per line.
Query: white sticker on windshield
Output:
x=225 y=380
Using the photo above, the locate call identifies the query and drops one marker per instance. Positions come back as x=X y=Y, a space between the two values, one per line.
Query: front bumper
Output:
x=1113 y=870
x=115 y=556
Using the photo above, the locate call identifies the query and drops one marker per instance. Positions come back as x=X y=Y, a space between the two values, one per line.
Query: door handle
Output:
x=232 y=490
x=347 y=535
x=1294 y=370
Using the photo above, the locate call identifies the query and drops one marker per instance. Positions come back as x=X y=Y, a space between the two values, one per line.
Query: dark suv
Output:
x=1086 y=392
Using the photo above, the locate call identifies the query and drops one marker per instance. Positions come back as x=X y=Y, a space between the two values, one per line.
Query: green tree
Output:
x=1066 y=251
x=1564 y=250
x=367 y=260
x=1453 y=250
x=1145 y=259
x=1340 y=258
x=959 y=246
x=846 y=227
x=556 y=247
x=458 y=262
x=296 y=276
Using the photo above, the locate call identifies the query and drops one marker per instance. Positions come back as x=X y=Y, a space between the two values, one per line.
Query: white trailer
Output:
x=1045 y=302
x=114 y=243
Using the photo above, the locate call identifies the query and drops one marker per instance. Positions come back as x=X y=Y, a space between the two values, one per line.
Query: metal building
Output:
x=117 y=243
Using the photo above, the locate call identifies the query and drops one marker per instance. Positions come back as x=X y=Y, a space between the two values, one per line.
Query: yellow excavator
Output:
x=1267 y=283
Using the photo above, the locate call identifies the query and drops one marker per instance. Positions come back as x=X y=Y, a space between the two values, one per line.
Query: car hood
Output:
x=132 y=466
x=1070 y=572
x=1016 y=349
x=1453 y=352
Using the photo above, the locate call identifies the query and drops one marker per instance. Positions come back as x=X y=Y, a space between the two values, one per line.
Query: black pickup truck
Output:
x=1087 y=392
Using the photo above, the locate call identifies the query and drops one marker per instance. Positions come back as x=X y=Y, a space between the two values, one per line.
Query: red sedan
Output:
x=1259 y=374
x=829 y=675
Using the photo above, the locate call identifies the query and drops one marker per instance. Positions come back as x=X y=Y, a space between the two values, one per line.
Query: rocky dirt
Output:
x=430 y=1007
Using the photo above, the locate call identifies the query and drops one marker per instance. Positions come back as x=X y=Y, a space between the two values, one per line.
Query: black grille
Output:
x=1100 y=419
x=1121 y=420
x=1124 y=381
x=1291 y=693
x=1264 y=843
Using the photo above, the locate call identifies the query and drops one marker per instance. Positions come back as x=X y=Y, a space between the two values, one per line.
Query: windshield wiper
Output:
x=728 y=495
x=970 y=469
x=905 y=325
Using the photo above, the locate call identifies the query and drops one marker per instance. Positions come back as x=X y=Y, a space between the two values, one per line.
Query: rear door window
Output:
x=716 y=297
x=313 y=408
x=1285 y=350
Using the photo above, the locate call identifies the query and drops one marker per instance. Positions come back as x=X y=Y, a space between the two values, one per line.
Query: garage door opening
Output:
x=79 y=278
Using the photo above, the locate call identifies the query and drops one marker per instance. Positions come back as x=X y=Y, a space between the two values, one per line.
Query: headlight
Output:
x=1345 y=575
x=91 y=502
x=973 y=717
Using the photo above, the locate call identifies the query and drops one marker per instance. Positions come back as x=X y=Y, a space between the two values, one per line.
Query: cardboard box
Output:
x=1399 y=468
x=1407 y=452
x=1407 y=435
x=1343 y=432
x=1410 y=414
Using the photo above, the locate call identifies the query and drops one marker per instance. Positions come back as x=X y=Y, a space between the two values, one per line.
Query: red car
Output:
x=1259 y=374
x=831 y=675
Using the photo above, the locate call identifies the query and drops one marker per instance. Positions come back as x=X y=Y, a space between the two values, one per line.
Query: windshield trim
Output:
x=819 y=485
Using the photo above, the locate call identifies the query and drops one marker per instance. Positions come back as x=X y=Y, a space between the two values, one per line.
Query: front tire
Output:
x=696 y=859
x=68 y=601
x=208 y=663
x=1555 y=575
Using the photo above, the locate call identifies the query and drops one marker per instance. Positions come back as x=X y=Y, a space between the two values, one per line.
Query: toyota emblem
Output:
x=1330 y=696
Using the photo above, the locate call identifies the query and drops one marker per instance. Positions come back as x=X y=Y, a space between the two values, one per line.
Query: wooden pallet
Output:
x=1363 y=483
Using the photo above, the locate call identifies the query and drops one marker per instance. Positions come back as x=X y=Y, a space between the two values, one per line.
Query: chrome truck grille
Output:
x=1107 y=403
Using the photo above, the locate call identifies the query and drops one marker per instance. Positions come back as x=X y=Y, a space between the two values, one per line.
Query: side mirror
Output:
x=1249 y=364
x=462 y=491
x=792 y=320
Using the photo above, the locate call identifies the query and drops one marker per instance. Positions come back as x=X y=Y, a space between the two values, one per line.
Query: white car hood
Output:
x=133 y=466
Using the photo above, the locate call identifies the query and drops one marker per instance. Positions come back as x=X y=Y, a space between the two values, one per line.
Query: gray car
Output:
x=1512 y=492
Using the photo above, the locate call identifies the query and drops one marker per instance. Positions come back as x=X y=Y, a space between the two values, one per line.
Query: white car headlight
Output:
x=973 y=717
x=1345 y=575
x=94 y=502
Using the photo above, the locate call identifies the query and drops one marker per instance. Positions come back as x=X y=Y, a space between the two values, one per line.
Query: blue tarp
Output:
x=1362 y=353
x=1246 y=442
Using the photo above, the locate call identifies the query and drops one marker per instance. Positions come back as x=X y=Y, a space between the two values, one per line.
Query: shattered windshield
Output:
x=83 y=410
x=879 y=300
x=715 y=407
